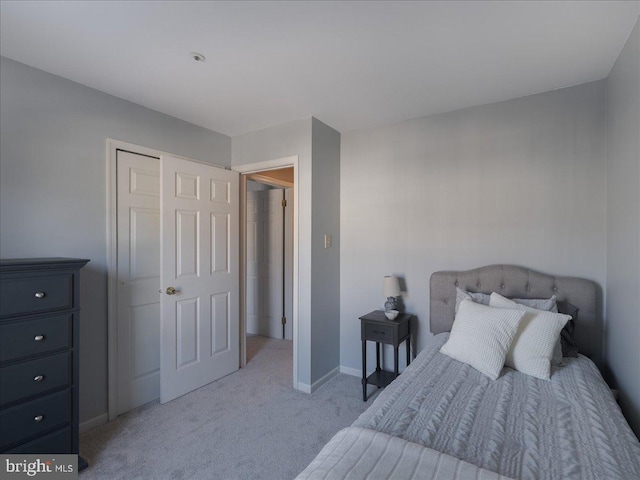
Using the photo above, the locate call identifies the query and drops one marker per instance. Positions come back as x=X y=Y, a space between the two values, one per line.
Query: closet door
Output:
x=254 y=238
x=138 y=199
x=265 y=262
x=272 y=269
x=199 y=274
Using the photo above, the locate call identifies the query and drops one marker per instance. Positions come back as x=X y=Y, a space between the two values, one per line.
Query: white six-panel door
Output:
x=138 y=225
x=272 y=270
x=254 y=219
x=265 y=268
x=199 y=245
x=288 y=263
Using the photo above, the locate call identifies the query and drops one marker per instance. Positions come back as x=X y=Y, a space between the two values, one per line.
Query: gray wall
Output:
x=325 y=277
x=53 y=186
x=519 y=182
x=623 y=228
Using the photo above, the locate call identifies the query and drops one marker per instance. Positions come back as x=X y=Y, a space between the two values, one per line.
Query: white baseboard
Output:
x=354 y=372
x=306 y=388
x=94 y=422
x=324 y=379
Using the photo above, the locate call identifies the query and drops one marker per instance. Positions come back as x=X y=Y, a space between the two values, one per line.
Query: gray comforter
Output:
x=517 y=425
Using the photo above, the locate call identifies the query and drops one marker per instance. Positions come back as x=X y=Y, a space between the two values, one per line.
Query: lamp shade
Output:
x=391 y=286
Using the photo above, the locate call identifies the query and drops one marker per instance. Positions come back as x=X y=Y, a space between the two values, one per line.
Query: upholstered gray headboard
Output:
x=518 y=282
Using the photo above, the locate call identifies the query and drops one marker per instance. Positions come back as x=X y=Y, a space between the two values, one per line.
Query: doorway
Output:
x=269 y=257
x=260 y=168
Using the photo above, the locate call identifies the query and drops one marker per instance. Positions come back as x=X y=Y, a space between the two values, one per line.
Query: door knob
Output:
x=171 y=291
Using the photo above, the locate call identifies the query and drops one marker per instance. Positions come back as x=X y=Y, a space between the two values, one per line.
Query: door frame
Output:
x=112 y=147
x=244 y=170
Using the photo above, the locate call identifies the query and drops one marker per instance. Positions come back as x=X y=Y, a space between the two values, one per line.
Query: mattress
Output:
x=356 y=453
x=518 y=426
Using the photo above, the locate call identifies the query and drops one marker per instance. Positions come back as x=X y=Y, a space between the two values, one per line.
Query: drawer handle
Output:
x=379 y=332
x=38 y=378
x=38 y=338
x=39 y=294
x=38 y=418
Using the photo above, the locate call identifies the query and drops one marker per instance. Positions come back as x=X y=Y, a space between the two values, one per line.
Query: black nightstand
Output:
x=378 y=328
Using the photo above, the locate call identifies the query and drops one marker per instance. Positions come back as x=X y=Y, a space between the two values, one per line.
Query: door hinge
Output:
x=284 y=320
x=284 y=203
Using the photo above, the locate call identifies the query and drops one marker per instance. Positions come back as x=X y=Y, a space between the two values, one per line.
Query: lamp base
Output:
x=390 y=304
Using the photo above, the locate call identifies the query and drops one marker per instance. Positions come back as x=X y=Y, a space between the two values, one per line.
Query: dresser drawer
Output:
x=34 y=376
x=21 y=295
x=31 y=418
x=30 y=337
x=56 y=442
x=380 y=333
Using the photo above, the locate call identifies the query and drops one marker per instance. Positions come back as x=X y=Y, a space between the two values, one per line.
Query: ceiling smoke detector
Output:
x=198 y=57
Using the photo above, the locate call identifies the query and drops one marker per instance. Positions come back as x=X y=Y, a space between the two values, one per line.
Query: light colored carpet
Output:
x=249 y=425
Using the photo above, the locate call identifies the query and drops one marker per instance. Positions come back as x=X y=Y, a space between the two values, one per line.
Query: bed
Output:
x=443 y=419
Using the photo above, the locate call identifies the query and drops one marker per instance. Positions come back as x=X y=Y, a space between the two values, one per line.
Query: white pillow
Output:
x=538 y=304
x=481 y=336
x=537 y=336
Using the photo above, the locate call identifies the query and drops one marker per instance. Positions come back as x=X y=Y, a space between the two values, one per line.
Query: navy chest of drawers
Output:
x=39 y=362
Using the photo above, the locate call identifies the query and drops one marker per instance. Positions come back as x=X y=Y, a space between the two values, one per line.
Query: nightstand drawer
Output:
x=36 y=294
x=31 y=337
x=380 y=333
x=33 y=417
x=35 y=376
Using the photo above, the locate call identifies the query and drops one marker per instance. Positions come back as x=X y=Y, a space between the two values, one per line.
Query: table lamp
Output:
x=391 y=290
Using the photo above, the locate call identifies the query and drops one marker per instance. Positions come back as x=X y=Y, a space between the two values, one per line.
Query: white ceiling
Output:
x=352 y=65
